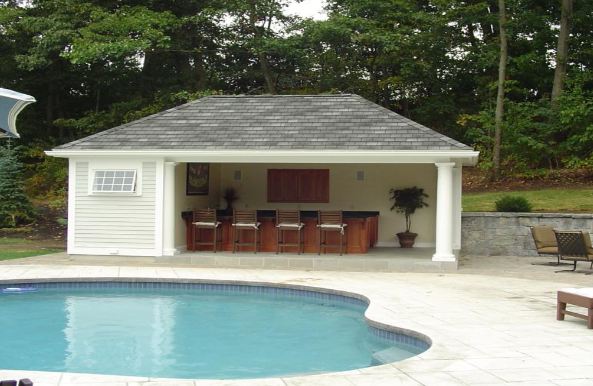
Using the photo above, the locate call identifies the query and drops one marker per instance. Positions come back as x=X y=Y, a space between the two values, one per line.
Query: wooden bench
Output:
x=582 y=297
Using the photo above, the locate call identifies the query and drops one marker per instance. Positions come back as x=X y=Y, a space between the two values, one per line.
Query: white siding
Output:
x=115 y=222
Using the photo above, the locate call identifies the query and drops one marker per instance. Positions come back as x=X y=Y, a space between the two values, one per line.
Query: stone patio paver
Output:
x=491 y=323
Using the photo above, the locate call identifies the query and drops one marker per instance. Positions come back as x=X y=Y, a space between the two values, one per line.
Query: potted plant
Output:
x=406 y=201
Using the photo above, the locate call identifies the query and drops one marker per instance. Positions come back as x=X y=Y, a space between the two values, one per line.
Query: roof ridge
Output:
x=128 y=124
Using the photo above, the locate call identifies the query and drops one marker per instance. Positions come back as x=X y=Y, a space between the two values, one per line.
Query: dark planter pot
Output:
x=407 y=239
x=229 y=207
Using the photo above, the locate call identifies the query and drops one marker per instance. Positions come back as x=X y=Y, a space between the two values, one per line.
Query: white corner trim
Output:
x=71 y=230
x=159 y=204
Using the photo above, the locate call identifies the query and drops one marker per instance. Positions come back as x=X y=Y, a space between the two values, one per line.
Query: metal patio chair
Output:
x=545 y=242
x=574 y=246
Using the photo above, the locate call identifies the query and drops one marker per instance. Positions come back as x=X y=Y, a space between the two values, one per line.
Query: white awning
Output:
x=11 y=104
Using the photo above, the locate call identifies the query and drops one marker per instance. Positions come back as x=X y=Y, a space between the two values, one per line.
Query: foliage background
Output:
x=95 y=64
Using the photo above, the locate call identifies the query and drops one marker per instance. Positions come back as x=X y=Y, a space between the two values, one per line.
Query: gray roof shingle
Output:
x=279 y=122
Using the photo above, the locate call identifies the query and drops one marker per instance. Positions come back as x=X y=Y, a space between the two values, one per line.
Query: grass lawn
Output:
x=545 y=200
x=15 y=248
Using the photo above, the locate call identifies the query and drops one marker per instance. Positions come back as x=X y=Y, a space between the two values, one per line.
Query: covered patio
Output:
x=359 y=189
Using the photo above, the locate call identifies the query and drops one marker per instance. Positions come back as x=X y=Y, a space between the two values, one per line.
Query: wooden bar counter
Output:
x=361 y=232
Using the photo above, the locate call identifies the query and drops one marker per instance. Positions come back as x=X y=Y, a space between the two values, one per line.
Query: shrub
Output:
x=46 y=177
x=513 y=204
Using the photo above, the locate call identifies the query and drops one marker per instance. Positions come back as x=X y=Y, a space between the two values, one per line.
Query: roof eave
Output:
x=467 y=157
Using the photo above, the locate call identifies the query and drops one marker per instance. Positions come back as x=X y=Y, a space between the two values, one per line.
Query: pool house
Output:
x=133 y=189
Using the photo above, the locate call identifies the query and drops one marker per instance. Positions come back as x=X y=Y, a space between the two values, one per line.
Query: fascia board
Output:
x=466 y=157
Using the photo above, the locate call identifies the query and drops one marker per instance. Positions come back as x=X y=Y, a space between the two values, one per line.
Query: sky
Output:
x=307 y=8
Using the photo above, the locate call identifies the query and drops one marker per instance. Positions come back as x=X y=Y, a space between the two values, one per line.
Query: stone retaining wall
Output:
x=508 y=234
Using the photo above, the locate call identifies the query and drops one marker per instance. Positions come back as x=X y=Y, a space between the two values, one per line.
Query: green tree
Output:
x=14 y=203
x=94 y=64
x=562 y=49
x=502 y=69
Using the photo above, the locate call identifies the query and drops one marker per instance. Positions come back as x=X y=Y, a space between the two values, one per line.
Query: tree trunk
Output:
x=502 y=68
x=98 y=98
x=200 y=72
x=50 y=109
x=406 y=107
x=267 y=72
x=562 y=50
x=150 y=70
x=258 y=35
x=374 y=83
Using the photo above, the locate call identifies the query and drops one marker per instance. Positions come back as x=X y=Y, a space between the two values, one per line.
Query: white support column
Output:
x=169 y=210
x=444 y=220
x=457 y=208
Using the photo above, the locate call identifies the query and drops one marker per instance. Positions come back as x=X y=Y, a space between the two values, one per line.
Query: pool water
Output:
x=180 y=333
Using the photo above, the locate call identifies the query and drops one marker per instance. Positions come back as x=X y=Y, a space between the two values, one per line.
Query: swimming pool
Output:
x=190 y=330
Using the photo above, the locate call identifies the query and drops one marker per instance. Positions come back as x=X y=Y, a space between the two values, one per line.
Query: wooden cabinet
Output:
x=298 y=185
x=282 y=186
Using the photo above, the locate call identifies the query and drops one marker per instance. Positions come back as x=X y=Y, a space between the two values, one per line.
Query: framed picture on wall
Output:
x=198 y=176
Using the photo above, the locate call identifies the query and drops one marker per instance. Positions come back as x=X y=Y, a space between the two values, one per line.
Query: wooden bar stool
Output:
x=245 y=220
x=330 y=221
x=288 y=220
x=205 y=219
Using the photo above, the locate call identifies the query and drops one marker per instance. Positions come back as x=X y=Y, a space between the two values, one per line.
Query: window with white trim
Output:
x=114 y=181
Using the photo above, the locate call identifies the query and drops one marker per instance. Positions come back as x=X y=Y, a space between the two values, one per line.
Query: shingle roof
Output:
x=279 y=122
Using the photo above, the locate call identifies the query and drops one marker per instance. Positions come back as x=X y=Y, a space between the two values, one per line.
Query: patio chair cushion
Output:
x=247 y=225
x=334 y=226
x=337 y=227
x=548 y=250
x=544 y=237
x=290 y=226
x=207 y=224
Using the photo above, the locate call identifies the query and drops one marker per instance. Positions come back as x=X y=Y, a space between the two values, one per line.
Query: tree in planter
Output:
x=406 y=201
x=230 y=196
x=14 y=203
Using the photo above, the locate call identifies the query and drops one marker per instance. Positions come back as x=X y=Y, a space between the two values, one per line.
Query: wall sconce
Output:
x=360 y=175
